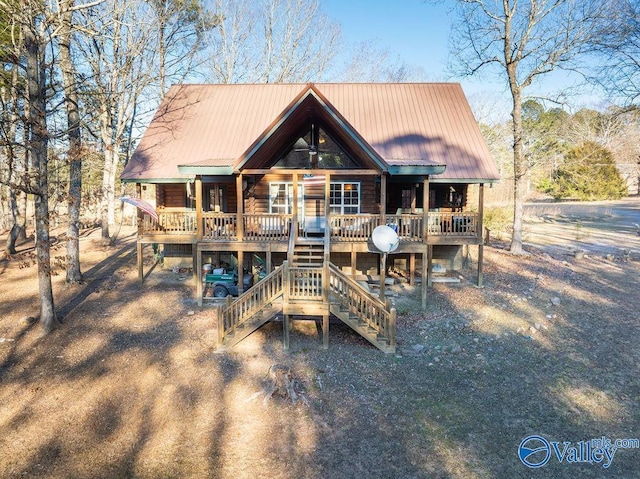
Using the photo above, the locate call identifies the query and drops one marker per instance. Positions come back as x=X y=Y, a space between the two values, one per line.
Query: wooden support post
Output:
x=194 y=262
x=294 y=206
x=138 y=210
x=383 y=199
x=327 y=220
x=220 y=319
x=480 y=258
x=199 y=223
x=240 y=272
x=354 y=264
x=240 y=206
x=392 y=327
x=285 y=332
x=198 y=275
x=412 y=269
x=480 y=239
x=269 y=265
x=140 y=263
x=383 y=278
x=425 y=210
x=325 y=331
x=325 y=301
x=426 y=259
x=430 y=266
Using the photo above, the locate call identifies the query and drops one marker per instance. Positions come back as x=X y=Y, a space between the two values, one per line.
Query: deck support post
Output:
x=480 y=258
x=240 y=272
x=430 y=266
x=383 y=277
x=140 y=263
x=412 y=269
x=286 y=322
x=354 y=263
x=198 y=274
x=325 y=331
x=325 y=300
x=479 y=227
x=426 y=275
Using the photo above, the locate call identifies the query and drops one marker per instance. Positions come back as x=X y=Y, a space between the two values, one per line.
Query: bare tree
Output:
x=271 y=41
x=117 y=62
x=370 y=63
x=34 y=26
x=618 y=44
x=14 y=162
x=74 y=155
x=180 y=27
x=521 y=42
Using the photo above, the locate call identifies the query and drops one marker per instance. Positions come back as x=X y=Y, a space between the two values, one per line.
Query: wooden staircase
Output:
x=362 y=312
x=309 y=286
x=308 y=252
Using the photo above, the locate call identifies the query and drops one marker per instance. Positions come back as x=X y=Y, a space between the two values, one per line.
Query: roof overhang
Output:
x=417 y=170
x=156 y=180
x=205 y=170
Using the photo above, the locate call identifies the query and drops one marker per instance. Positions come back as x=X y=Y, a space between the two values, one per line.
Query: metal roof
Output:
x=393 y=124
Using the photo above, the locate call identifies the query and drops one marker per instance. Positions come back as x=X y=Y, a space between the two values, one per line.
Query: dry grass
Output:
x=130 y=385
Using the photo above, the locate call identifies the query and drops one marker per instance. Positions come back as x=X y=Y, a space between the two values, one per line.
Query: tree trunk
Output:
x=17 y=200
x=37 y=145
x=74 y=274
x=518 y=172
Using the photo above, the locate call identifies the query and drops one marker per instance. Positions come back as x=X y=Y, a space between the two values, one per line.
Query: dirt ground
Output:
x=131 y=386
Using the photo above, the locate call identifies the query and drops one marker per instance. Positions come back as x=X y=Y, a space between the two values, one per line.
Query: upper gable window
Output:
x=316 y=149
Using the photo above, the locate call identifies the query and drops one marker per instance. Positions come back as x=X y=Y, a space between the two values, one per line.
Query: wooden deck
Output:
x=184 y=227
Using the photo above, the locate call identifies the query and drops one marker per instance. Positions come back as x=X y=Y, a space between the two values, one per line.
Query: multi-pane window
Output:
x=344 y=198
x=281 y=198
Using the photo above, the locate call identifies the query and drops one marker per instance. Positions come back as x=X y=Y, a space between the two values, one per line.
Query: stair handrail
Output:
x=293 y=234
x=369 y=308
x=233 y=314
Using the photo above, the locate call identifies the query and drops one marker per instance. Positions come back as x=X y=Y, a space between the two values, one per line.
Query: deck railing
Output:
x=305 y=283
x=219 y=226
x=171 y=223
x=353 y=227
x=268 y=227
x=453 y=224
x=232 y=315
x=409 y=227
x=368 y=308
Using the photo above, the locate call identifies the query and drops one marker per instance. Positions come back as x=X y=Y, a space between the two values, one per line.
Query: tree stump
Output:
x=280 y=382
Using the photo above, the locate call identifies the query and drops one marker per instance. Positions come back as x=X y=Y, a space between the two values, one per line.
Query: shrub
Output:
x=588 y=173
x=498 y=219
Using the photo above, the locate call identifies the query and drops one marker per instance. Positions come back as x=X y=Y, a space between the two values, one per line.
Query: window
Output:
x=281 y=198
x=315 y=149
x=344 y=198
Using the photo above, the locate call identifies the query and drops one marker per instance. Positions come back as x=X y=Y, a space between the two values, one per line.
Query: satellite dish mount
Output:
x=386 y=240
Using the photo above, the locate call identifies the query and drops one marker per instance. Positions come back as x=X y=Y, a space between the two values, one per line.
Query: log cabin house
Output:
x=293 y=179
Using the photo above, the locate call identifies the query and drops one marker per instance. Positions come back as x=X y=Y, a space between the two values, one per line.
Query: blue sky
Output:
x=419 y=33
x=416 y=31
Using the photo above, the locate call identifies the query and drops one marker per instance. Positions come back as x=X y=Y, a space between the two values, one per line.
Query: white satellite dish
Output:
x=385 y=239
